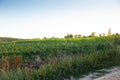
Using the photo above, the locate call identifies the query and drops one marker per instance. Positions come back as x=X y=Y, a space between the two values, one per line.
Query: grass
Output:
x=52 y=47
x=67 y=67
x=70 y=56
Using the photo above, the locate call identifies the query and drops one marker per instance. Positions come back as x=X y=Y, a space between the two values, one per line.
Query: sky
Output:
x=56 y=18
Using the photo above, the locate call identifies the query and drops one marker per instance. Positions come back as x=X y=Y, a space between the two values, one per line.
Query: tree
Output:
x=100 y=35
x=92 y=34
x=69 y=36
x=103 y=34
x=117 y=34
x=109 y=32
x=77 y=36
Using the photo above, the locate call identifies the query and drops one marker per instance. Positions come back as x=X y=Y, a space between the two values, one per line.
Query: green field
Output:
x=75 y=55
x=51 y=47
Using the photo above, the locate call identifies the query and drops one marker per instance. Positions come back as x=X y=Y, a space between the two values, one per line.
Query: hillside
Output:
x=8 y=39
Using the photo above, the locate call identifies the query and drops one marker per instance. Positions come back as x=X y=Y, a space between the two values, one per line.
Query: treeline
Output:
x=91 y=35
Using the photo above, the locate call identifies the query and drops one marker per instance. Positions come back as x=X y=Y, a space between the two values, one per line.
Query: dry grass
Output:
x=8 y=64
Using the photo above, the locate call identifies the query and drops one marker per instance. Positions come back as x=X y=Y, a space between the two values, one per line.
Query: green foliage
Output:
x=69 y=66
x=83 y=55
x=52 y=47
x=69 y=36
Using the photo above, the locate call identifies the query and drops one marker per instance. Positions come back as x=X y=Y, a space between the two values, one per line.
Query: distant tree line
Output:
x=93 y=34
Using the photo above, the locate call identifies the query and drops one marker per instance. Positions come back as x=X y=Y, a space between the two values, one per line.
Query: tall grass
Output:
x=85 y=54
x=67 y=67
x=52 y=47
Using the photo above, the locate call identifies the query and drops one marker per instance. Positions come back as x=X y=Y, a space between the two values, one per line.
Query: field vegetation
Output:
x=57 y=59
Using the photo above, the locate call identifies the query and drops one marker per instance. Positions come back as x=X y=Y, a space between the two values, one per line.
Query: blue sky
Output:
x=39 y=18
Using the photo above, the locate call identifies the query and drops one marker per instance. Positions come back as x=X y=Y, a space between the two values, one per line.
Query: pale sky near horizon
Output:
x=40 y=18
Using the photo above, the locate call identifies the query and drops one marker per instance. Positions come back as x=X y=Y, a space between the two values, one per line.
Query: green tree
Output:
x=69 y=36
x=103 y=34
x=92 y=34
x=109 y=32
x=100 y=35
x=77 y=36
